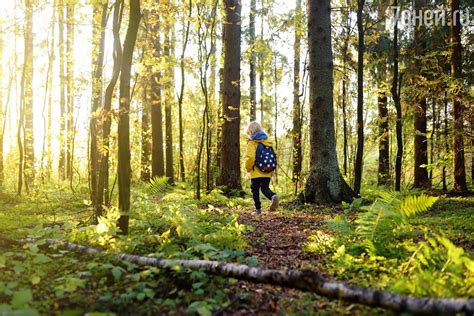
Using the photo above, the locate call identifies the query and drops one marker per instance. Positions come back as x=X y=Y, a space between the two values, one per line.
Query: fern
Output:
x=157 y=186
x=379 y=222
x=414 y=205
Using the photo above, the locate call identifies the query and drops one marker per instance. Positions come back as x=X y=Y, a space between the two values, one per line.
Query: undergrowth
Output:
x=384 y=245
x=34 y=275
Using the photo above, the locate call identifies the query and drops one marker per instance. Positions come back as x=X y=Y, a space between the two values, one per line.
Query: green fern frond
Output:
x=414 y=205
x=157 y=185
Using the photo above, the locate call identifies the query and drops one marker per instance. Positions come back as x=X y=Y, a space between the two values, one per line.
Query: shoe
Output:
x=259 y=212
x=274 y=204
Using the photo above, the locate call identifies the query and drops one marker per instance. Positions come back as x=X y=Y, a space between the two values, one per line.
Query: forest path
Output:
x=277 y=241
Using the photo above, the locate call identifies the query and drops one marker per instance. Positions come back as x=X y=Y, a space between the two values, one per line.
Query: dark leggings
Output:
x=260 y=184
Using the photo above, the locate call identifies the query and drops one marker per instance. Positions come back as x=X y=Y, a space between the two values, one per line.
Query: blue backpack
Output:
x=265 y=158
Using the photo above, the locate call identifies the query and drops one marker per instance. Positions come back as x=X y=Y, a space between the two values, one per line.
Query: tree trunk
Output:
x=124 y=168
x=49 y=155
x=325 y=183
x=434 y=130
x=169 y=96
x=28 y=168
x=383 y=121
x=360 y=98
x=103 y=186
x=98 y=44
x=446 y=142
x=345 y=49
x=296 y=133
x=186 y=26
x=70 y=86
x=253 y=62
x=395 y=90
x=230 y=144
x=384 y=145
x=146 y=140
x=157 y=153
x=460 y=183
x=419 y=112
x=62 y=91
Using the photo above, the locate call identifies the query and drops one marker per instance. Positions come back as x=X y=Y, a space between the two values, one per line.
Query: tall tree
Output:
x=103 y=185
x=360 y=97
x=157 y=153
x=28 y=131
x=98 y=50
x=205 y=52
x=325 y=183
x=345 y=62
x=124 y=168
x=419 y=112
x=169 y=89
x=230 y=142
x=186 y=27
x=49 y=84
x=70 y=7
x=62 y=92
x=381 y=76
x=253 y=62
x=296 y=133
x=460 y=183
x=395 y=90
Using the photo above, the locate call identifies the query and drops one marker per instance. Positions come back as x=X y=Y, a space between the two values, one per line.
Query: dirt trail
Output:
x=277 y=242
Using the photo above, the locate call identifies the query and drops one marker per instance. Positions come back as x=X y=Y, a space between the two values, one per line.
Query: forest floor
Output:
x=43 y=280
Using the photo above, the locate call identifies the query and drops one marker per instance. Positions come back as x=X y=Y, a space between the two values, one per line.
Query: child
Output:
x=260 y=175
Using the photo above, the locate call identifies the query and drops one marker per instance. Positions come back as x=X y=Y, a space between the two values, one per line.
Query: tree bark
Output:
x=98 y=44
x=230 y=144
x=325 y=183
x=304 y=280
x=253 y=62
x=296 y=133
x=460 y=183
x=360 y=98
x=384 y=145
x=419 y=112
x=29 y=161
x=157 y=153
x=395 y=90
x=124 y=168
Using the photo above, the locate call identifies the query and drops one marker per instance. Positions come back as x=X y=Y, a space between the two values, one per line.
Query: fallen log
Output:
x=305 y=280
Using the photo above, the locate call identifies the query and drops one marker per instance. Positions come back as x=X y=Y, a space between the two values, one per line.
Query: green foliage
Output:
x=443 y=266
x=388 y=247
x=157 y=186
x=176 y=227
x=381 y=222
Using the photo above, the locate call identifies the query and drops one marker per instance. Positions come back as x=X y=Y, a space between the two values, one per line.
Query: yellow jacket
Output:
x=250 y=159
